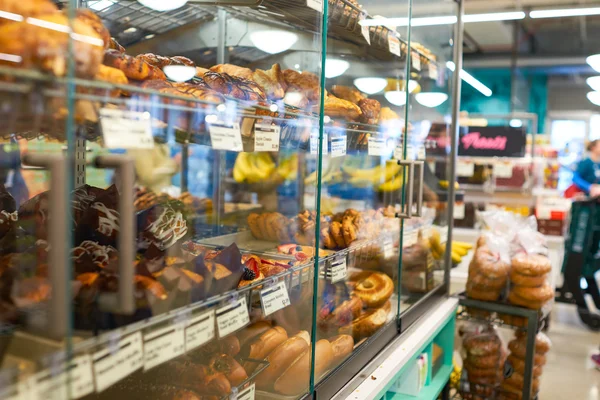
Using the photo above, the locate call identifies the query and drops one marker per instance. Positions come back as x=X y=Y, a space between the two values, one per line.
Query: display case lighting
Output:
x=335 y=67
x=179 y=73
x=431 y=99
x=273 y=41
x=163 y=5
x=516 y=123
x=370 y=85
x=396 y=97
x=444 y=19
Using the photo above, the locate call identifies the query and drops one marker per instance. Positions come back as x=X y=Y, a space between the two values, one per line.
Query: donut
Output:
x=519 y=301
x=541 y=293
x=531 y=264
x=482 y=293
x=482 y=345
x=542 y=341
x=489 y=264
x=519 y=366
x=373 y=288
x=343 y=314
x=484 y=362
x=480 y=280
x=367 y=323
x=526 y=280
x=336 y=231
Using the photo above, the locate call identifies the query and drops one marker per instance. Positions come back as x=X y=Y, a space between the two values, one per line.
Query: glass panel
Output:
x=428 y=138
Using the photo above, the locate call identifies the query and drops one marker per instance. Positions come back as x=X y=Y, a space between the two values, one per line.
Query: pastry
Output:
x=115 y=45
x=87 y=16
x=263 y=345
x=281 y=358
x=334 y=107
x=305 y=83
x=518 y=348
x=518 y=365
x=252 y=331
x=373 y=288
x=484 y=362
x=253 y=219
x=134 y=68
x=489 y=264
x=542 y=342
x=229 y=367
x=367 y=323
x=335 y=228
x=387 y=114
x=370 y=110
x=527 y=280
x=239 y=88
x=233 y=70
x=482 y=292
x=341 y=315
x=271 y=81
x=347 y=93
x=531 y=264
x=475 y=372
x=482 y=345
x=349 y=231
x=514 y=320
x=519 y=301
x=26 y=9
x=327 y=238
x=479 y=280
x=535 y=294
x=342 y=346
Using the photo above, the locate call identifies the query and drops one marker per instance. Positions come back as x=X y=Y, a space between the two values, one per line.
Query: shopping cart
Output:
x=582 y=261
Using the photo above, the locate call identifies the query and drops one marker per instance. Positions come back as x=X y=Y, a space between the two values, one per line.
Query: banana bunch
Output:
x=455 y=376
x=288 y=168
x=331 y=173
x=459 y=249
x=253 y=167
x=386 y=177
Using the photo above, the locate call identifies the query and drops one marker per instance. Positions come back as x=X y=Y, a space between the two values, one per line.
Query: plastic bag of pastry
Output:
x=488 y=274
x=531 y=285
x=484 y=355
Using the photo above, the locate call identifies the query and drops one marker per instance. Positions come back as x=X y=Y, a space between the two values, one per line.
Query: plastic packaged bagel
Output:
x=484 y=355
x=488 y=273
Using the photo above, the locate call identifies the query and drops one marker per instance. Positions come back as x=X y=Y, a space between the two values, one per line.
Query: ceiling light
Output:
x=163 y=5
x=396 y=97
x=130 y=30
x=516 y=123
x=471 y=80
x=594 y=98
x=273 y=42
x=370 y=85
x=431 y=99
x=179 y=73
x=335 y=67
x=502 y=16
x=443 y=20
x=594 y=83
x=594 y=61
x=100 y=5
x=412 y=85
x=565 y=12
x=150 y=36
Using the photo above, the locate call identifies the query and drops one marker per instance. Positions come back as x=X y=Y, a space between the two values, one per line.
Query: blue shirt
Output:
x=587 y=174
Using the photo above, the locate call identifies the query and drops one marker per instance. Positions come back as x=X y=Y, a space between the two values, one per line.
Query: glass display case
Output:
x=211 y=200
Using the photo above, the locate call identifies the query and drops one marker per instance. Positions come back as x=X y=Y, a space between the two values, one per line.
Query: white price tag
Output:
x=112 y=366
x=415 y=60
x=421 y=153
x=376 y=146
x=315 y=5
x=338 y=146
x=459 y=211
x=200 y=330
x=163 y=345
x=225 y=136
x=274 y=298
x=123 y=129
x=266 y=137
x=394 y=43
x=247 y=394
x=433 y=70
x=365 y=29
x=465 y=169
x=56 y=382
x=232 y=317
x=398 y=153
x=503 y=170
x=314 y=143
x=339 y=269
x=542 y=212
x=388 y=248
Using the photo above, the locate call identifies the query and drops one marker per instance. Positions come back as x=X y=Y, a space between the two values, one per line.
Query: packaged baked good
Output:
x=484 y=355
x=488 y=274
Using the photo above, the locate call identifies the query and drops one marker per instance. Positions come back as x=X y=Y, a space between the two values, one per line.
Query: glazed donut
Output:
x=519 y=366
x=489 y=264
x=367 y=324
x=526 y=280
x=519 y=301
x=484 y=362
x=480 y=280
x=482 y=345
x=542 y=342
x=373 y=288
x=482 y=293
x=531 y=264
x=539 y=294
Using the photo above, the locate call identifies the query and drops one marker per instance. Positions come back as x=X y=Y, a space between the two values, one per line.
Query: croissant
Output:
x=236 y=87
x=87 y=16
x=387 y=114
x=304 y=82
x=134 y=68
x=347 y=93
x=233 y=70
x=111 y=75
x=272 y=81
x=115 y=45
x=370 y=111
x=335 y=107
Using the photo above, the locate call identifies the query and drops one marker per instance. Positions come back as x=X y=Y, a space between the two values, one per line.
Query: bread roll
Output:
x=281 y=358
x=264 y=345
x=531 y=264
x=253 y=331
x=295 y=378
x=342 y=346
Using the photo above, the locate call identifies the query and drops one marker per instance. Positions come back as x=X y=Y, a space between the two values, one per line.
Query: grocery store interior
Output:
x=299 y=199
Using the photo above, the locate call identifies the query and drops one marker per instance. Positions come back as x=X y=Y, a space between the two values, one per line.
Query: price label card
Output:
x=376 y=146
x=123 y=129
x=163 y=345
x=56 y=382
x=415 y=60
x=232 y=317
x=274 y=298
x=398 y=153
x=112 y=366
x=315 y=5
x=433 y=70
x=225 y=136
x=339 y=269
x=394 y=43
x=314 y=143
x=503 y=170
x=338 y=146
x=465 y=169
x=200 y=330
x=459 y=211
x=11 y=393
x=421 y=153
x=410 y=238
x=365 y=29
x=388 y=248
x=247 y=394
x=266 y=137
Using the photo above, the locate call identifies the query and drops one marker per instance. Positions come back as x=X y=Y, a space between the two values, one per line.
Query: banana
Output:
x=463 y=245
x=434 y=239
x=459 y=250
x=391 y=186
x=456 y=258
x=242 y=167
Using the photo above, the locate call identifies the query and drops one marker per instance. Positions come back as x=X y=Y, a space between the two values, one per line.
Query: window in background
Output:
x=568 y=137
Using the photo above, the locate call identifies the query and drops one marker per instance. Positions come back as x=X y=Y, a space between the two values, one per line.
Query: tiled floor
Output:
x=569 y=373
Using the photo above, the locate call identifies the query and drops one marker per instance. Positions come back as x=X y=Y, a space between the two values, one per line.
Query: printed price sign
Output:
x=376 y=146
x=465 y=169
x=433 y=70
x=339 y=269
x=266 y=137
x=225 y=136
x=338 y=146
x=314 y=143
x=247 y=394
x=55 y=382
x=315 y=5
x=274 y=298
x=365 y=29
x=459 y=211
x=416 y=60
x=232 y=317
x=200 y=330
x=163 y=345
x=398 y=153
x=503 y=170
x=394 y=43
x=112 y=366
x=123 y=129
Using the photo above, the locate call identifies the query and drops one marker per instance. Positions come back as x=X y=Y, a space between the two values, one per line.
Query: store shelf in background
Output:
x=430 y=391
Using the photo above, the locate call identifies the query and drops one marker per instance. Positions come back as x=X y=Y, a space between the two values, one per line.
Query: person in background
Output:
x=587 y=176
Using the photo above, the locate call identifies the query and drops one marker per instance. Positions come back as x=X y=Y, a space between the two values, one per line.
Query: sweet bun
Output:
x=518 y=365
x=367 y=323
x=527 y=280
x=342 y=346
x=373 y=288
x=482 y=345
x=264 y=345
x=531 y=264
x=538 y=294
x=229 y=367
x=295 y=379
x=281 y=358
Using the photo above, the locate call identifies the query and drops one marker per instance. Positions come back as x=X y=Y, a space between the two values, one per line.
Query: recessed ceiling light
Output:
x=130 y=30
x=594 y=98
x=594 y=61
x=150 y=36
x=273 y=42
x=179 y=73
x=370 y=85
x=516 y=123
x=564 y=12
x=396 y=97
x=431 y=99
x=163 y=5
x=335 y=67
x=594 y=83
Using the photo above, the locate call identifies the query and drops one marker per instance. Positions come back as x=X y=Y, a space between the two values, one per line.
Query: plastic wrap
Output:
x=484 y=358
